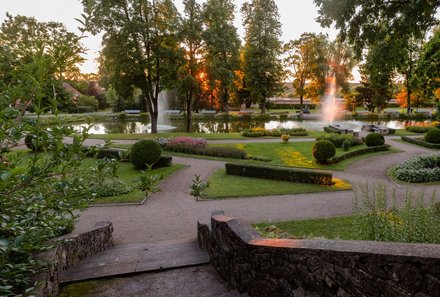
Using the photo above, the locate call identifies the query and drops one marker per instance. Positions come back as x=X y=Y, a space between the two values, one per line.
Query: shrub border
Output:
x=280 y=173
x=420 y=142
x=359 y=152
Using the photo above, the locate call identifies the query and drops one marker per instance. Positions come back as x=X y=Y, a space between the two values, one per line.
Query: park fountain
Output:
x=330 y=106
x=163 y=119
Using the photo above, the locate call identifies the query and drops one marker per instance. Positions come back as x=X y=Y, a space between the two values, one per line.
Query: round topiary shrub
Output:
x=323 y=150
x=29 y=142
x=145 y=152
x=433 y=136
x=374 y=139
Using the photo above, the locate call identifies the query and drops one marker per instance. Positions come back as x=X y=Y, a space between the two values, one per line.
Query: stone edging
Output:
x=68 y=251
x=281 y=267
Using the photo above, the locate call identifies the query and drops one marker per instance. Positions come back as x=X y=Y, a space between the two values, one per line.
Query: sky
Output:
x=297 y=17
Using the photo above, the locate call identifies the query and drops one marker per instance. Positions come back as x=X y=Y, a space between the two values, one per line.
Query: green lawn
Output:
x=129 y=175
x=404 y=132
x=292 y=154
x=208 y=136
x=222 y=185
x=330 y=228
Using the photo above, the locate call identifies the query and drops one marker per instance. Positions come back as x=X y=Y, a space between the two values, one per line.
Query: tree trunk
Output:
x=263 y=107
x=408 y=96
x=301 y=101
x=189 y=112
x=153 y=115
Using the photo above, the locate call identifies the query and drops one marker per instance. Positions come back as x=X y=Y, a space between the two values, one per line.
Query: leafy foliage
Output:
x=263 y=71
x=323 y=150
x=198 y=187
x=339 y=139
x=419 y=169
x=145 y=153
x=376 y=219
x=433 y=136
x=148 y=181
x=374 y=139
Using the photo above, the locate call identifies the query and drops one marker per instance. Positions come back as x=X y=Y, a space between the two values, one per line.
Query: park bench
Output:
x=172 y=111
x=133 y=111
x=206 y=111
x=244 y=111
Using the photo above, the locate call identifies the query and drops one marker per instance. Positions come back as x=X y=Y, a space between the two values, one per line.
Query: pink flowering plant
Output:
x=186 y=142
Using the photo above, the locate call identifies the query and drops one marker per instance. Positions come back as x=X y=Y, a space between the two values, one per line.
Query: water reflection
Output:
x=138 y=127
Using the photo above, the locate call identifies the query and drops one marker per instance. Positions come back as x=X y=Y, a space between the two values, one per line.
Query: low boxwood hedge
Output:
x=420 y=142
x=359 y=152
x=280 y=173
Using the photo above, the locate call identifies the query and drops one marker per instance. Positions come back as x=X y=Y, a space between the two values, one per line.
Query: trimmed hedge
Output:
x=213 y=151
x=433 y=136
x=115 y=153
x=144 y=152
x=420 y=142
x=359 y=152
x=374 y=139
x=280 y=173
x=339 y=139
x=323 y=150
x=418 y=129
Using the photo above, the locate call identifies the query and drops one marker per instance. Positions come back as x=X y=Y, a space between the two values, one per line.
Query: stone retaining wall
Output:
x=280 y=267
x=68 y=251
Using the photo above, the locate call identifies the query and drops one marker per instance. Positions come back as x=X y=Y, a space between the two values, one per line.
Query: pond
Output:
x=139 y=127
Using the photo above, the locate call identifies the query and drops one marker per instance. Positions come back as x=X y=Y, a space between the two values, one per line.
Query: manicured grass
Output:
x=208 y=136
x=331 y=228
x=292 y=154
x=129 y=175
x=404 y=132
x=222 y=185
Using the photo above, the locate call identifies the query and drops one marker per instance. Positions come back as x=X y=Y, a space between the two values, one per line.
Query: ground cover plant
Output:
x=260 y=132
x=222 y=185
x=419 y=169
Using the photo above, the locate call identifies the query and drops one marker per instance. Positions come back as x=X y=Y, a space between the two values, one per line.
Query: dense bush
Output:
x=419 y=169
x=145 y=152
x=359 y=152
x=323 y=150
x=33 y=143
x=249 y=133
x=280 y=173
x=374 y=139
x=420 y=142
x=339 y=139
x=418 y=129
x=433 y=136
x=375 y=219
x=85 y=100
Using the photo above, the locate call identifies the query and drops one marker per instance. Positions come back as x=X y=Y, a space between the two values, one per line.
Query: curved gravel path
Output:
x=173 y=213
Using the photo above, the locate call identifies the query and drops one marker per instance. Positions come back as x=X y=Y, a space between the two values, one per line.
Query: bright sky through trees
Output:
x=297 y=17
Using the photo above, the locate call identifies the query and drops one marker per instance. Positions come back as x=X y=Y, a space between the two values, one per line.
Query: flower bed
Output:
x=260 y=132
x=419 y=169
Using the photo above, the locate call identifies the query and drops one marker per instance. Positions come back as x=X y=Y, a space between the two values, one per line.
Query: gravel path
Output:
x=173 y=213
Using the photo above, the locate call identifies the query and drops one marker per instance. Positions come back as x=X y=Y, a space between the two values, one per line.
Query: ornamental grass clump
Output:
x=375 y=218
x=419 y=169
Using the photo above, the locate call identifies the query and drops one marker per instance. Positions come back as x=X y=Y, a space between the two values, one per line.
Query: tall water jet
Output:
x=330 y=106
x=163 y=103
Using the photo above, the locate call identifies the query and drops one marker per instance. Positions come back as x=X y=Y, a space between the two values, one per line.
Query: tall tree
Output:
x=377 y=74
x=263 y=69
x=192 y=41
x=362 y=21
x=140 y=44
x=222 y=47
x=340 y=59
x=306 y=61
x=24 y=39
x=427 y=70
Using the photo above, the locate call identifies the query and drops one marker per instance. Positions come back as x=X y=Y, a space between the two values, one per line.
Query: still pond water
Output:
x=138 y=127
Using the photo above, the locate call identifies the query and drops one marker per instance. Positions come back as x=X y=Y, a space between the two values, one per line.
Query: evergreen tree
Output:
x=263 y=69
